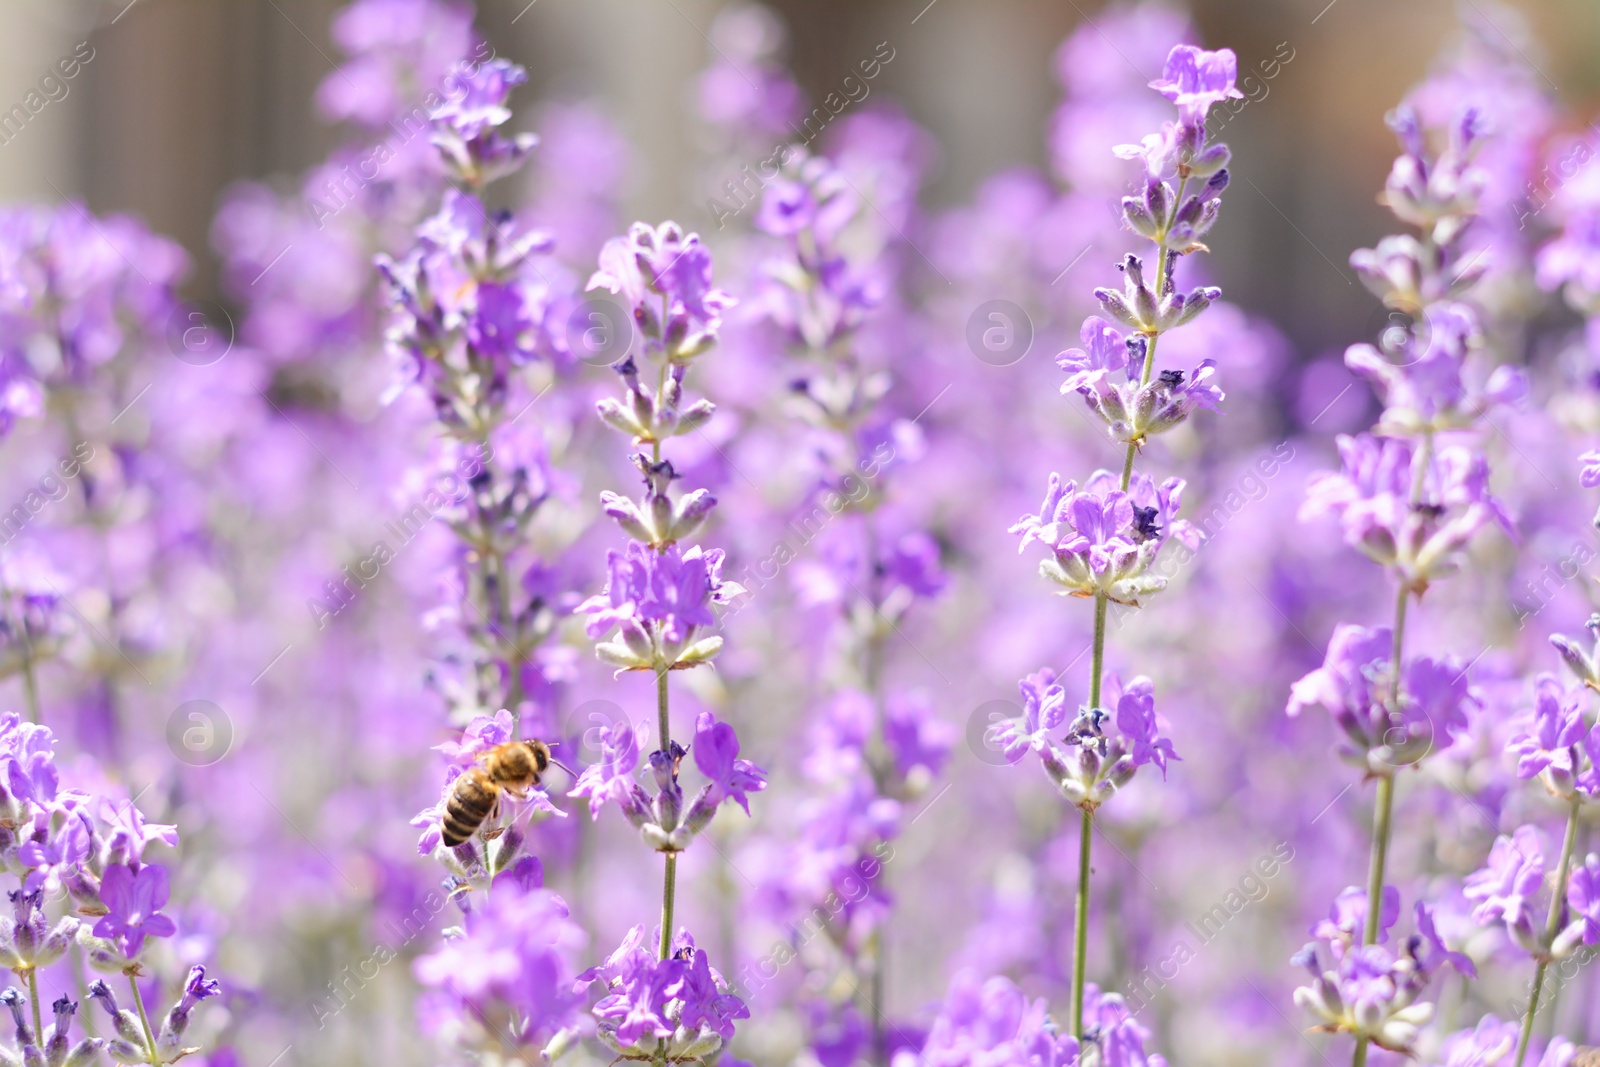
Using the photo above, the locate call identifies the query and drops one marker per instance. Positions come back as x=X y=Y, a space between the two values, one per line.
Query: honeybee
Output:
x=513 y=768
x=1587 y=1057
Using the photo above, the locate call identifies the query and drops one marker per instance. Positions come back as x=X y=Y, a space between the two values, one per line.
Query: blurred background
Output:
x=184 y=97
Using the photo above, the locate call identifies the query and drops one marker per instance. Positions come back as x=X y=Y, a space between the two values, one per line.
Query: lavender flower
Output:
x=1105 y=540
x=509 y=971
x=993 y=1022
x=1422 y=540
x=1354 y=685
x=135 y=899
x=679 y=1001
x=664 y=277
x=1507 y=887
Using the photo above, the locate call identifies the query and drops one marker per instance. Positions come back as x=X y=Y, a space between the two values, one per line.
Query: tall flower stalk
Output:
x=874 y=748
x=1411 y=495
x=661 y=999
x=1104 y=537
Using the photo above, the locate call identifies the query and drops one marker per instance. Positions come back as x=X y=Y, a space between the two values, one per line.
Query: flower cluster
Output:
x=1384 y=726
x=1411 y=509
x=677 y=1006
x=65 y=844
x=668 y=825
x=1088 y=764
x=511 y=967
x=1104 y=540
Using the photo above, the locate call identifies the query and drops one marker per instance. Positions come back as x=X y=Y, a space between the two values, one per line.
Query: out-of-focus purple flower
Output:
x=716 y=752
x=1353 y=685
x=1347 y=919
x=1507 y=887
x=1194 y=79
x=466 y=124
x=918 y=741
x=516 y=951
x=126 y=833
x=1583 y=897
x=1551 y=747
x=1589 y=472
x=1438 y=952
x=1371 y=497
x=1371 y=994
x=1485 y=1045
x=992 y=1022
x=134 y=899
x=1428 y=389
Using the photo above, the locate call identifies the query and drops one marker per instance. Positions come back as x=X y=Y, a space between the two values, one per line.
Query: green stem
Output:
x=1381 y=821
x=1080 y=936
x=1552 y=926
x=669 y=885
x=144 y=1021
x=669 y=901
x=33 y=995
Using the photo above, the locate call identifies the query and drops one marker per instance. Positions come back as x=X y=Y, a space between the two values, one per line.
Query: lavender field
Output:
x=447 y=618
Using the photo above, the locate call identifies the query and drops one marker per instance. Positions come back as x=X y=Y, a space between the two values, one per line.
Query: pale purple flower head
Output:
x=664 y=277
x=1506 y=888
x=1583 y=897
x=992 y=1022
x=516 y=950
x=1551 y=747
x=611 y=779
x=1195 y=79
x=1044 y=711
x=1353 y=685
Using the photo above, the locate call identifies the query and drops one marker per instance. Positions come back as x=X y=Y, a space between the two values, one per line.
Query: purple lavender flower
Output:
x=1371 y=497
x=1583 y=897
x=1133 y=411
x=1346 y=920
x=1506 y=888
x=1551 y=748
x=1429 y=390
x=611 y=779
x=1044 y=711
x=658 y=601
x=1195 y=79
x=515 y=953
x=1105 y=540
x=134 y=899
x=716 y=751
x=679 y=1000
x=664 y=276
x=993 y=1022
x=466 y=125
x=1137 y=722
x=1354 y=683
x=1485 y=1045
x=1372 y=995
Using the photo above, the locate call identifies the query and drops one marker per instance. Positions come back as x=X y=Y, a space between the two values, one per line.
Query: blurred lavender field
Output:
x=450 y=613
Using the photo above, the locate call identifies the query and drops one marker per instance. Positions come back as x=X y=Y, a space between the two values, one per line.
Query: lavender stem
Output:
x=1551 y=926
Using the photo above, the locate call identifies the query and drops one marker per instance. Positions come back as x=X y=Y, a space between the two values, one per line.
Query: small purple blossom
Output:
x=1195 y=79
x=134 y=899
x=1506 y=888
x=716 y=751
x=1583 y=897
x=611 y=779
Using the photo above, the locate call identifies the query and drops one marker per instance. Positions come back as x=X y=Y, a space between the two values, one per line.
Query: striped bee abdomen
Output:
x=471 y=800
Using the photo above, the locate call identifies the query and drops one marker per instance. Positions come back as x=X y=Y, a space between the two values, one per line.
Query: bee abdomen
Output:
x=470 y=803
